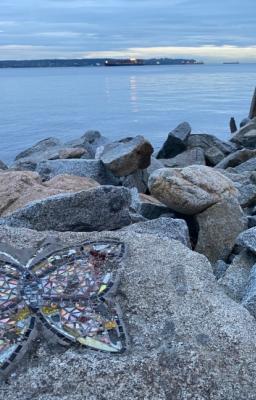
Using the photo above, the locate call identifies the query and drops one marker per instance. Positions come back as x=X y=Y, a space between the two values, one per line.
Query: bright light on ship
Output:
x=133 y=59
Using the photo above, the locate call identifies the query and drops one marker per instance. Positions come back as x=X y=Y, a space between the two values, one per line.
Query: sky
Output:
x=207 y=30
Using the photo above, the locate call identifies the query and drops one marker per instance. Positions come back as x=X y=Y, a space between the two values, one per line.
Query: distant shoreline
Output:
x=95 y=62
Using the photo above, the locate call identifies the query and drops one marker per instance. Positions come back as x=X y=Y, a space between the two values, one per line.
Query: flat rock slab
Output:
x=188 y=339
x=86 y=168
x=176 y=141
x=126 y=156
x=176 y=229
x=193 y=156
x=190 y=190
x=206 y=141
x=103 y=207
x=249 y=165
x=236 y=158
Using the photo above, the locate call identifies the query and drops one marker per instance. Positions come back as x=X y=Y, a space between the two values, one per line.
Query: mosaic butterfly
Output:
x=66 y=294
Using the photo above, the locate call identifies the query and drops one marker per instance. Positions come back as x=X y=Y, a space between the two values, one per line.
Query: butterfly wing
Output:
x=77 y=285
x=16 y=320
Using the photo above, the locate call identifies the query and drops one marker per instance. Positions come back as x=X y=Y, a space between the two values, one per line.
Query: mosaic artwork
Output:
x=67 y=295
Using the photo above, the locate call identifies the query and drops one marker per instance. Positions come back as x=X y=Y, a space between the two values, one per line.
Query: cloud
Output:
x=59 y=34
x=224 y=52
x=142 y=27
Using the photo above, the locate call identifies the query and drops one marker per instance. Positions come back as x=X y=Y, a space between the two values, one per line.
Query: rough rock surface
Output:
x=86 y=168
x=213 y=155
x=154 y=165
x=245 y=184
x=176 y=141
x=188 y=340
x=219 y=227
x=247 y=240
x=126 y=156
x=249 y=299
x=13 y=184
x=206 y=141
x=103 y=207
x=193 y=156
x=176 y=229
x=190 y=190
x=19 y=188
x=236 y=158
x=138 y=180
x=249 y=165
x=246 y=136
x=237 y=275
x=3 y=166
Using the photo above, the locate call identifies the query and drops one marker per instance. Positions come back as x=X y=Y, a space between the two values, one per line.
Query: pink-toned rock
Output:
x=72 y=152
x=18 y=188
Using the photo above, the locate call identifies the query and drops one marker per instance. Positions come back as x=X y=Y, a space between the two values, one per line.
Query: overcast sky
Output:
x=209 y=30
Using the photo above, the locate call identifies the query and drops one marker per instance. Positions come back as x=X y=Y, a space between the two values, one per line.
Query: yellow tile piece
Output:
x=110 y=325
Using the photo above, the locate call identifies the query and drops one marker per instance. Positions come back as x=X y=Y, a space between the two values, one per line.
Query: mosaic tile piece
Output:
x=70 y=292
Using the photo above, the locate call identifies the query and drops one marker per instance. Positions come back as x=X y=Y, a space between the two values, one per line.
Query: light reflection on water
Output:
x=65 y=102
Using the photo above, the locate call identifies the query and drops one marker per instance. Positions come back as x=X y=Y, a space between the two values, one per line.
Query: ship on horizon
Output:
x=231 y=62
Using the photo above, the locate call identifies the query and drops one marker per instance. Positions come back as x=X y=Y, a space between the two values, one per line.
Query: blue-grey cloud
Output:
x=77 y=28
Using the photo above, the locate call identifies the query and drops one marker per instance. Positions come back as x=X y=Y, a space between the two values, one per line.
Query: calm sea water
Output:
x=119 y=101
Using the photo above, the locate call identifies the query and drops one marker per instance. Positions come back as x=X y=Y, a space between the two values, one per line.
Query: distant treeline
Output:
x=95 y=62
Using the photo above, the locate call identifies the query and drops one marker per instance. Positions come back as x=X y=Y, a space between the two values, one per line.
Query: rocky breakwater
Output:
x=187 y=285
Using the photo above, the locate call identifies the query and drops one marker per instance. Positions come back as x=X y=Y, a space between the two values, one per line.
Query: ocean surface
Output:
x=120 y=101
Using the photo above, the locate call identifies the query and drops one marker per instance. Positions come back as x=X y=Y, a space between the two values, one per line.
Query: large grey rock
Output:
x=148 y=206
x=188 y=339
x=138 y=180
x=42 y=150
x=193 y=156
x=154 y=165
x=236 y=158
x=219 y=227
x=163 y=227
x=103 y=207
x=220 y=268
x=245 y=185
x=251 y=221
x=151 y=208
x=206 y=141
x=249 y=165
x=3 y=166
x=237 y=276
x=249 y=298
x=246 y=136
x=190 y=190
x=87 y=168
x=247 y=196
x=213 y=155
x=247 y=240
x=176 y=141
x=126 y=156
